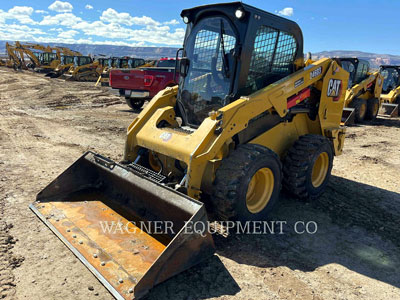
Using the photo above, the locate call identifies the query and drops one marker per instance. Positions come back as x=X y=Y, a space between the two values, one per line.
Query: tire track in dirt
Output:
x=8 y=262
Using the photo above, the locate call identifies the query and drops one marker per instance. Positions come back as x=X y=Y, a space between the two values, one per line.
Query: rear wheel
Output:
x=372 y=109
x=134 y=103
x=247 y=184
x=307 y=166
x=360 y=109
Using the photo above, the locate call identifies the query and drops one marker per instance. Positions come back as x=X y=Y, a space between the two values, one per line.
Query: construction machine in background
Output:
x=119 y=63
x=363 y=92
x=66 y=63
x=247 y=118
x=14 y=58
x=83 y=69
x=390 y=95
x=45 y=59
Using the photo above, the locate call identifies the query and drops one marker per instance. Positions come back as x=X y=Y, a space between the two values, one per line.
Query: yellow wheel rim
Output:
x=376 y=108
x=154 y=163
x=260 y=190
x=363 y=110
x=320 y=169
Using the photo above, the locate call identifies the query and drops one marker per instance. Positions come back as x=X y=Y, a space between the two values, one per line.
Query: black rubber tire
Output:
x=397 y=100
x=135 y=103
x=372 y=109
x=357 y=103
x=298 y=166
x=233 y=177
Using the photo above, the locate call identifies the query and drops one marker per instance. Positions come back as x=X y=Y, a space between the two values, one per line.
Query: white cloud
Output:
x=40 y=11
x=66 y=19
x=68 y=34
x=145 y=21
x=172 y=22
x=60 y=6
x=287 y=11
x=19 y=32
x=112 y=16
x=88 y=6
x=19 y=13
x=113 y=28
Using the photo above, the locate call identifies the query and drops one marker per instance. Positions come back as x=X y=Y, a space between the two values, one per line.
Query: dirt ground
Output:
x=46 y=124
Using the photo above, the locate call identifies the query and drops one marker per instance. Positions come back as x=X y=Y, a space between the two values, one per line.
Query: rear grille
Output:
x=138 y=169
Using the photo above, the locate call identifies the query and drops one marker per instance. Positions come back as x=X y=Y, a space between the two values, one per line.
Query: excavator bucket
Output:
x=130 y=230
x=348 y=117
x=389 y=110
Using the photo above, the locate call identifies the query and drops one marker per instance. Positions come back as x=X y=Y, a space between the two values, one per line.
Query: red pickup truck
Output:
x=139 y=85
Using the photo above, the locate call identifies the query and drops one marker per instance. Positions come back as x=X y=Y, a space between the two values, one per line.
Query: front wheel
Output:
x=134 y=103
x=247 y=184
x=372 y=109
x=360 y=109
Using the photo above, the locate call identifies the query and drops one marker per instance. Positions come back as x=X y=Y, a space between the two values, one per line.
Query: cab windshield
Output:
x=390 y=79
x=207 y=85
x=48 y=57
x=82 y=60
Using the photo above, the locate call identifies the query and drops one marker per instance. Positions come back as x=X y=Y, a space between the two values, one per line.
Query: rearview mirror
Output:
x=184 y=66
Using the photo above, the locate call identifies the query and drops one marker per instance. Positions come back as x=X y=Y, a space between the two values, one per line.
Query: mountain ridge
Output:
x=374 y=59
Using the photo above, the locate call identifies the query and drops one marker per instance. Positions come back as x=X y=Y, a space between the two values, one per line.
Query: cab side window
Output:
x=272 y=58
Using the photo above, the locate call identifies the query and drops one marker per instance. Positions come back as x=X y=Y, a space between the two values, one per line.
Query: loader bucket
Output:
x=107 y=215
x=348 y=117
x=389 y=110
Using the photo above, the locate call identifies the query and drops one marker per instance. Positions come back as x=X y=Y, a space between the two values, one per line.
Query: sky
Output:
x=369 y=26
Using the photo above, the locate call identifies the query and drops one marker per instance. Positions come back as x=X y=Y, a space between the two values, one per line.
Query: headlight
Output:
x=185 y=20
x=239 y=13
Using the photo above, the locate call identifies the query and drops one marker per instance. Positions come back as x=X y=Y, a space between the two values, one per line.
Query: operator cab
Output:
x=46 y=58
x=232 y=50
x=66 y=59
x=391 y=77
x=358 y=69
x=82 y=60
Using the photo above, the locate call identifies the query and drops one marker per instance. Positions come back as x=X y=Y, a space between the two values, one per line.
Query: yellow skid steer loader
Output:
x=248 y=117
x=390 y=96
x=363 y=91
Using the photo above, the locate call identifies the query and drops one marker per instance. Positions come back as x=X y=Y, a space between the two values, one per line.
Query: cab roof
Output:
x=229 y=9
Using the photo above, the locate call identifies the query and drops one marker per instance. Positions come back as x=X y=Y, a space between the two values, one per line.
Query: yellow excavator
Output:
x=390 y=96
x=48 y=59
x=247 y=118
x=44 y=61
x=117 y=62
x=14 y=58
x=363 y=92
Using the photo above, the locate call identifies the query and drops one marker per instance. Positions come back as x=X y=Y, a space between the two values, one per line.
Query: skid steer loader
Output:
x=363 y=91
x=390 y=96
x=66 y=63
x=247 y=117
x=84 y=69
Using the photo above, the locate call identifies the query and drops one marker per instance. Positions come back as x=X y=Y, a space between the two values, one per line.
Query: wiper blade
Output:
x=225 y=61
